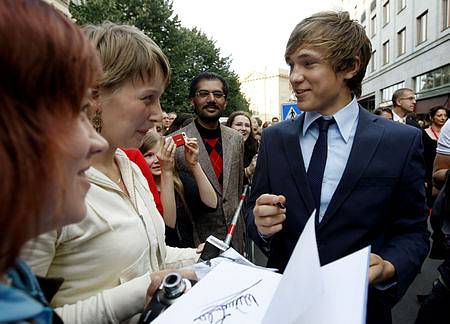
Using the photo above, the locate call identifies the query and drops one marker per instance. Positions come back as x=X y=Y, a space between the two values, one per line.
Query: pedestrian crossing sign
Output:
x=289 y=110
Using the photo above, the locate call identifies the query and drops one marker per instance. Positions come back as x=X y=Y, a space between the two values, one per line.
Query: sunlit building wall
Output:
x=266 y=91
x=410 y=48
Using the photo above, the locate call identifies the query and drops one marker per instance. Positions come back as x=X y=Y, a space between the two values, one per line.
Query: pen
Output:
x=280 y=205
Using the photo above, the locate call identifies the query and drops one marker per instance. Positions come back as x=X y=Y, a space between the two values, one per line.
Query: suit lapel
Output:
x=291 y=142
x=365 y=143
x=203 y=158
x=227 y=155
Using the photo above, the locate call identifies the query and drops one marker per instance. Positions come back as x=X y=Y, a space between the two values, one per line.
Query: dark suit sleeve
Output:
x=260 y=185
x=407 y=238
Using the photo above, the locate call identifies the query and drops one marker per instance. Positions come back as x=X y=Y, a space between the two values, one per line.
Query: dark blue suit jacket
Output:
x=380 y=200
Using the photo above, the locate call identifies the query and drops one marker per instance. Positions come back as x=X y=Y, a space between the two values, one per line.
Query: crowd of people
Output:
x=103 y=193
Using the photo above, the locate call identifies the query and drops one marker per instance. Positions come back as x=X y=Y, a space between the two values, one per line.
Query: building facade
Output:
x=266 y=91
x=410 y=48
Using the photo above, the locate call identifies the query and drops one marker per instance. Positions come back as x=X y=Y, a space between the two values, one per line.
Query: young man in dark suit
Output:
x=343 y=162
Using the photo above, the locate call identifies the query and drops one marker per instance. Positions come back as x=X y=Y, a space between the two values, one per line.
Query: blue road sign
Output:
x=289 y=110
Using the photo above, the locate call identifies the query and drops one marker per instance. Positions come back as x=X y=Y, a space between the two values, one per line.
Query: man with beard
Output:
x=221 y=151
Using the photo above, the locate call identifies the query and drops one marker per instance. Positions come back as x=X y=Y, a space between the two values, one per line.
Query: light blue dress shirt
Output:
x=340 y=141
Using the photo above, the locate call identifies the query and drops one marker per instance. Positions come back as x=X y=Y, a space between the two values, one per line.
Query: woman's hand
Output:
x=166 y=155
x=251 y=167
x=191 y=151
x=200 y=248
x=157 y=278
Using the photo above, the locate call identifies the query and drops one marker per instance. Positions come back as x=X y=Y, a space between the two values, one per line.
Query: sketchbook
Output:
x=306 y=293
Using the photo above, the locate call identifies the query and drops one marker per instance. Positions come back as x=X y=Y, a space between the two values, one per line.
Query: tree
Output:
x=190 y=51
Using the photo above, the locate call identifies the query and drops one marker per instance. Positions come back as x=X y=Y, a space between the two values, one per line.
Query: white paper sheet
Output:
x=230 y=293
x=302 y=280
x=344 y=298
x=336 y=291
x=306 y=293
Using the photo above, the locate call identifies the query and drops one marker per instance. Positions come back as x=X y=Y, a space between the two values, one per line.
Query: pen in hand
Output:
x=280 y=205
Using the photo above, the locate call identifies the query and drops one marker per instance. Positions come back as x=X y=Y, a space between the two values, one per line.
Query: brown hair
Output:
x=250 y=145
x=342 y=38
x=126 y=53
x=47 y=66
x=433 y=111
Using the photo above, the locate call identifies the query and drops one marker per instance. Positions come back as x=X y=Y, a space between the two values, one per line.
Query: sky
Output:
x=253 y=33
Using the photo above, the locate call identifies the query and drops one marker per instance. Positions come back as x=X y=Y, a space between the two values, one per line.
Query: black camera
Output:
x=172 y=287
x=212 y=249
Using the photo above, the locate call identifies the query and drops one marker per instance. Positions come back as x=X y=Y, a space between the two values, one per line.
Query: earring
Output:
x=97 y=121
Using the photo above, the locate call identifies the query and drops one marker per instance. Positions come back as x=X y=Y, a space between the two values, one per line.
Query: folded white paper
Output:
x=306 y=293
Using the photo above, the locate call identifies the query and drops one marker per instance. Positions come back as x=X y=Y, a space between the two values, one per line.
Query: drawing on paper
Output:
x=218 y=311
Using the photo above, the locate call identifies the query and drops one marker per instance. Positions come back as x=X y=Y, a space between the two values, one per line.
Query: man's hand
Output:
x=379 y=270
x=269 y=218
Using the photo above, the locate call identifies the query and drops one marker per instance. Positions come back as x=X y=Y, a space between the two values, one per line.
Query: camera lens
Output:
x=173 y=285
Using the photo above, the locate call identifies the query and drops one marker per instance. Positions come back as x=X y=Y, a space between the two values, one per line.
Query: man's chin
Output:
x=210 y=119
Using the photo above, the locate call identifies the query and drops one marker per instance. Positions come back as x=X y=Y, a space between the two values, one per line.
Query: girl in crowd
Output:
x=178 y=190
x=438 y=117
x=106 y=260
x=241 y=121
x=46 y=145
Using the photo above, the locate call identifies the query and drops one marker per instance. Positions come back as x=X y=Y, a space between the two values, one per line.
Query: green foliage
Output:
x=190 y=51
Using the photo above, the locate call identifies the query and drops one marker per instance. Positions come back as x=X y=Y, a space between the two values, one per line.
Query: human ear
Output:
x=94 y=103
x=353 y=70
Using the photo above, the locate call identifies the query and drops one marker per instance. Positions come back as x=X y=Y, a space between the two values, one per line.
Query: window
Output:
x=386 y=52
x=386 y=13
x=386 y=93
x=401 y=42
x=373 y=5
x=422 y=28
x=433 y=79
x=401 y=5
x=373 y=60
x=363 y=17
x=445 y=14
x=373 y=25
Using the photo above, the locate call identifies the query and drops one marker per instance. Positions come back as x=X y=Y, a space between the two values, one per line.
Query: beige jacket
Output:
x=106 y=259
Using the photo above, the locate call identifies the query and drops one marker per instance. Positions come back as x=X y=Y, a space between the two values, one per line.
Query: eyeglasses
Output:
x=205 y=94
x=408 y=98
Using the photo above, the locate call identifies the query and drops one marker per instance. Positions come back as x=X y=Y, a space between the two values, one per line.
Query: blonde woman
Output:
x=182 y=194
x=106 y=260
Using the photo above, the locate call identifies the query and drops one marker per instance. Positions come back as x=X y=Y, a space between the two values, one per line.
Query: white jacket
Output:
x=106 y=259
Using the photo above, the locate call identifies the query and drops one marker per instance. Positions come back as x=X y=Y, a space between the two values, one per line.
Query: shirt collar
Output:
x=345 y=119
x=397 y=118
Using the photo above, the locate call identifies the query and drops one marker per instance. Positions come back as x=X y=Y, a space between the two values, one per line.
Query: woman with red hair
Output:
x=46 y=141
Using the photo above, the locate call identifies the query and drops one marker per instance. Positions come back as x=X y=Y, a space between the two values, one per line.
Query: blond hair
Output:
x=126 y=53
x=153 y=140
x=343 y=40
